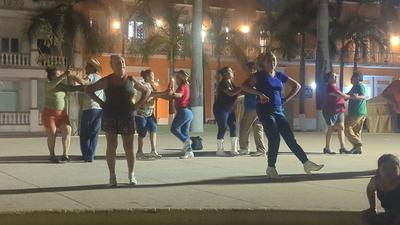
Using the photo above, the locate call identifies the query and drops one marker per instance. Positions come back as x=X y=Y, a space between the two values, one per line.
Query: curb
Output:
x=181 y=217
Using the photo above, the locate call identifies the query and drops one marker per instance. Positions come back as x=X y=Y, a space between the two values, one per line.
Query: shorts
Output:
x=53 y=118
x=125 y=126
x=333 y=119
x=144 y=124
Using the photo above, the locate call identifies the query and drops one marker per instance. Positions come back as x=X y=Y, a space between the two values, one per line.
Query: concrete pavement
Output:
x=29 y=183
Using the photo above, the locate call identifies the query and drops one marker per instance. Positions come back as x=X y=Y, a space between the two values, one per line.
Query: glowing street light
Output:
x=313 y=85
x=245 y=29
x=395 y=40
x=116 y=25
x=203 y=35
x=159 y=23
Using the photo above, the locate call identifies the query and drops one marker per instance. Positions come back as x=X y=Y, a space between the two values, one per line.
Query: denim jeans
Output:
x=144 y=124
x=276 y=124
x=225 y=118
x=89 y=132
x=181 y=124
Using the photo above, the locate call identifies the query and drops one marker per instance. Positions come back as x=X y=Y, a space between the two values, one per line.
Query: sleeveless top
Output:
x=389 y=199
x=118 y=103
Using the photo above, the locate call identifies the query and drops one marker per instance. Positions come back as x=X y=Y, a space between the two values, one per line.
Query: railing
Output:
x=14 y=118
x=50 y=60
x=15 y=59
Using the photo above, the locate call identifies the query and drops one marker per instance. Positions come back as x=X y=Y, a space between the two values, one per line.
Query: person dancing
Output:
x=118 y=113
x=268 y=84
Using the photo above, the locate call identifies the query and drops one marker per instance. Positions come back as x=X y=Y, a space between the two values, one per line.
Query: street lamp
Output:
x=395 y=40
x=159 y=23
x=245 y=29
x=116 y=25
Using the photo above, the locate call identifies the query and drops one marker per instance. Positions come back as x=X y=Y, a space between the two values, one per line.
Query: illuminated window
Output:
x=136 y=30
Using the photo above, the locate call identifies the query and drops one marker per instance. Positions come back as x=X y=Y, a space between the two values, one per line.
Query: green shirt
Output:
x=55 y=94
x=358 y=107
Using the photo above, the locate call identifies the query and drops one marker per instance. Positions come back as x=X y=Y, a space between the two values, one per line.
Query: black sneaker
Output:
x=65 y=158
x=328 y=151
x=54 y=159
x=356 y=150
x=344 y=151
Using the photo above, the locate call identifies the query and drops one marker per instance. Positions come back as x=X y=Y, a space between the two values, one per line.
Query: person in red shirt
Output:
x=183 y=116
x=392 y=95
x=333 y=112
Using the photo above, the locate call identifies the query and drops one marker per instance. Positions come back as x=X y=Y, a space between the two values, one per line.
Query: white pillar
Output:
x=34 y=94
x=34 y=111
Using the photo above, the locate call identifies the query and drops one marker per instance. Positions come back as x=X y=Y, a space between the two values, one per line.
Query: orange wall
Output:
x=160 y=68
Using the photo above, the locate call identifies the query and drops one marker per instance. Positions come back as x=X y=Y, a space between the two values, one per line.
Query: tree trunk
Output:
x=356 y=56
x=341 y=59
x=196 y=87
x=171 y=109
x=322 y=62
x=302 y=83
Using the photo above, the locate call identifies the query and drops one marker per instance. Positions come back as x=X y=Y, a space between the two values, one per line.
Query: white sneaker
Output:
x=132 y=180
x=220 y=153
x=244 y=151
x=310 y=166
x=187 y=146
x=234 y=153
x=272 y=173
x=113 y=180
x=234 y=144
x=154 y=154
x=188 y=155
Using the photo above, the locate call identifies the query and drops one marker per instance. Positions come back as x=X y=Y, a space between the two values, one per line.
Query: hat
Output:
x=185 y=76
x=95 y=63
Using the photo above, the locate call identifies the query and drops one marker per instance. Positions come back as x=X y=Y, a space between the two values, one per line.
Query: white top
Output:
x=88 y=103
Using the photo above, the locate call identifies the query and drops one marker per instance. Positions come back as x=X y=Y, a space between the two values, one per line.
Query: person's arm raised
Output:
x=145 y=92
x=248 y=86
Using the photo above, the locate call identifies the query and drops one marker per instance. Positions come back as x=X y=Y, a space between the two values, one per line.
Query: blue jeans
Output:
x=225 y=118
x=181 y=124
x=89 y=132
x=144 y=124
x=276 y=124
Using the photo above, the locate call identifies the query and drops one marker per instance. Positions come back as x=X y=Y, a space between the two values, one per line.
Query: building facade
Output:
x=22 y=74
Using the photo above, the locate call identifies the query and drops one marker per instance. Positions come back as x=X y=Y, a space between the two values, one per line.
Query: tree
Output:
x=61 y=25
x=171 y=39
x=359 y=33
x=290 y=27
x=196 y=88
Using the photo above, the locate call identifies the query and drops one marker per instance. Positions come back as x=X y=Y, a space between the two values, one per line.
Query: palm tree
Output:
x=61 y=25
x=357 y=32
x=171 y=39
x=290 y=27
x=196 y=88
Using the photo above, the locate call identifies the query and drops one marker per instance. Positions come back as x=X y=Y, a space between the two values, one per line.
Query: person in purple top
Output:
x=333 y=112
x=268 y=85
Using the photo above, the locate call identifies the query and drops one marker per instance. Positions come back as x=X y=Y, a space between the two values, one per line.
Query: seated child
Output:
x=386 y=185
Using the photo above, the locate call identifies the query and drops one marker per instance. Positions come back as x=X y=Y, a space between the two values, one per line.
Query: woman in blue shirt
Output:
x=268 y=85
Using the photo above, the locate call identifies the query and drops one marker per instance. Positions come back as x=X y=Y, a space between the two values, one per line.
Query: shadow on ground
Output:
x=78 y=159
x=221 y=181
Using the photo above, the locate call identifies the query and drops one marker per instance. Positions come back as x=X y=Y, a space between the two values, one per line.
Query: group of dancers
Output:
x=120 y=104
x=111 y=105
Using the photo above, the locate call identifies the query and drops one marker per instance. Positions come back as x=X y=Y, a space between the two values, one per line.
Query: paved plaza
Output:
x=29 y=183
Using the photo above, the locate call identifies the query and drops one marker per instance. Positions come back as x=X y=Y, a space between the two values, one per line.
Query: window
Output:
x=135 y=30
x=9 y=45
x=42 y=48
